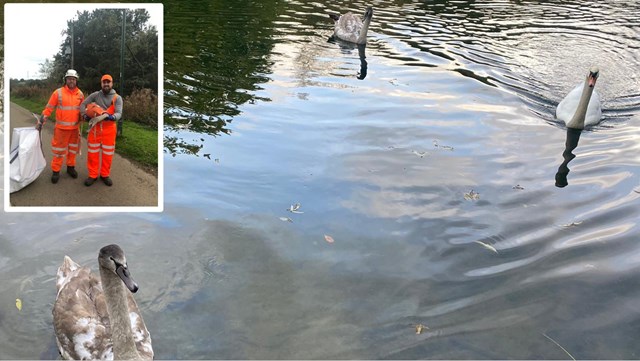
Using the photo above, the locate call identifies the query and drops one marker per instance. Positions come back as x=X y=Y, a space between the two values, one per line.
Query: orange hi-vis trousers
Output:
x=102 y=137
x=64 y=142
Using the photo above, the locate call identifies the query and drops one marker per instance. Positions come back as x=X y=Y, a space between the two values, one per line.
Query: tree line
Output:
x=97 y=48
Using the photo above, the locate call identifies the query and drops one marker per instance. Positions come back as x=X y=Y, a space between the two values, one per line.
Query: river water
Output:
x=432 y=161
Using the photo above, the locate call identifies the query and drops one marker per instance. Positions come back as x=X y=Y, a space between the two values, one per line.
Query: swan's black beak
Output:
x=368 y=13
x=593 y=77
x=124 y=274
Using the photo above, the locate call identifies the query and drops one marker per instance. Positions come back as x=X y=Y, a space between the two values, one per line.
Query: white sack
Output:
x=27 y=160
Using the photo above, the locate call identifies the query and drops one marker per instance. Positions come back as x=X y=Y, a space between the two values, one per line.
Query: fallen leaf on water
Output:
x=487 y=246
x=445 y=147
x=294 y=208
x=19 y=304
x=472 y=195
x=286 y=219
x=420 y=327
x=518 y=187
x=328 y=238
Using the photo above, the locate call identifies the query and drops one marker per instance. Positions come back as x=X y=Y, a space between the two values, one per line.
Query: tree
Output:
x=47 y=68
x=97 y=49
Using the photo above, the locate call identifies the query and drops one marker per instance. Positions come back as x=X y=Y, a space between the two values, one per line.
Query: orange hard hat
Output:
x=94 y=110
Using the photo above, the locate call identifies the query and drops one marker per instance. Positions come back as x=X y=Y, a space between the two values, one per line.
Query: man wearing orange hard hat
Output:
x=66 y=102
x=103 y=108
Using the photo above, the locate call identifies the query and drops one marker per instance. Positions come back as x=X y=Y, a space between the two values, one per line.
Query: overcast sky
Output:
x=33 y=32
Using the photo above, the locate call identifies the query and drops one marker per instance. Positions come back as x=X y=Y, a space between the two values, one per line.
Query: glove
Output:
x=41 y=122
x=86 y=118
x=111 y=117
x=94 y=121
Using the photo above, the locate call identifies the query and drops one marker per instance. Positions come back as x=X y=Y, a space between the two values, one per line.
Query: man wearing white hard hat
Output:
x=66 y=137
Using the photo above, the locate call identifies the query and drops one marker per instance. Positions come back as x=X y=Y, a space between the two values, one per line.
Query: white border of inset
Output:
x=7 y=116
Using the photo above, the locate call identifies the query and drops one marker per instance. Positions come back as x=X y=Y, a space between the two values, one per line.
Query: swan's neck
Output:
x=115 y=294
x=577 y=122
x=362 y=37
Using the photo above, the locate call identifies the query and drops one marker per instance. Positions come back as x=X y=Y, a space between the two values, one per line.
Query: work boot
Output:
x=54 y=177
x=72 y=172
x=107 y=180
x=89 y=181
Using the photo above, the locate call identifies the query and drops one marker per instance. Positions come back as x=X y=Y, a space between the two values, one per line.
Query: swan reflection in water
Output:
x=347 y=47
x=573 y=136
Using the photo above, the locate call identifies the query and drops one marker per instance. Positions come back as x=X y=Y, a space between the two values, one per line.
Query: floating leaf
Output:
x=420 y=327
x=286 y=219
x=445 y=147
x=328 y=239
x=518 y=187
x=19 y=304
x=487 y=246
x=294 y=208
x=472 y=195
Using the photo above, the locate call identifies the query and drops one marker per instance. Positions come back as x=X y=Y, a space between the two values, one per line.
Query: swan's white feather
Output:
x=568 y=106
x=66 y=272
x=81 y=320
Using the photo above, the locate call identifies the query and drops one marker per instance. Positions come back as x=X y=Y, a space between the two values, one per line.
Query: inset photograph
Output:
x=83 y=107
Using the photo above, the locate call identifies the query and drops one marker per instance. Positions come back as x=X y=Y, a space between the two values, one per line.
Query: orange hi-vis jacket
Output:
x=67 y=102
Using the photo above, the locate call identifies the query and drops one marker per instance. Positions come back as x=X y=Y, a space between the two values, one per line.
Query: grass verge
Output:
x=138 y=143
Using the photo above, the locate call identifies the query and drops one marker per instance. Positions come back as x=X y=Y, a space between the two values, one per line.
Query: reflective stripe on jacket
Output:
x=66 y=103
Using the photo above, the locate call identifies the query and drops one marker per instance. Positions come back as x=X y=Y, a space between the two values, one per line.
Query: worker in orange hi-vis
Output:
x=66 y=137
x=104 y=108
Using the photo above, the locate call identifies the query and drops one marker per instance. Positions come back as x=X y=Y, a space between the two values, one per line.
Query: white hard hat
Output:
x=71 y=73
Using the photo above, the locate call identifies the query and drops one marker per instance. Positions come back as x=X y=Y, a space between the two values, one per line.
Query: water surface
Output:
x=445 y=141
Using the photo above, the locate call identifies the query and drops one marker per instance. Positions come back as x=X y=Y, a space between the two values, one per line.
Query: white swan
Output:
x=350 y=28
x=99 y=319
x=582 y=105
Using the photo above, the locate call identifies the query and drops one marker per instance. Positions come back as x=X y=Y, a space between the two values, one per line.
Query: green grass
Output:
x=32 y=105
x=138 y=143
